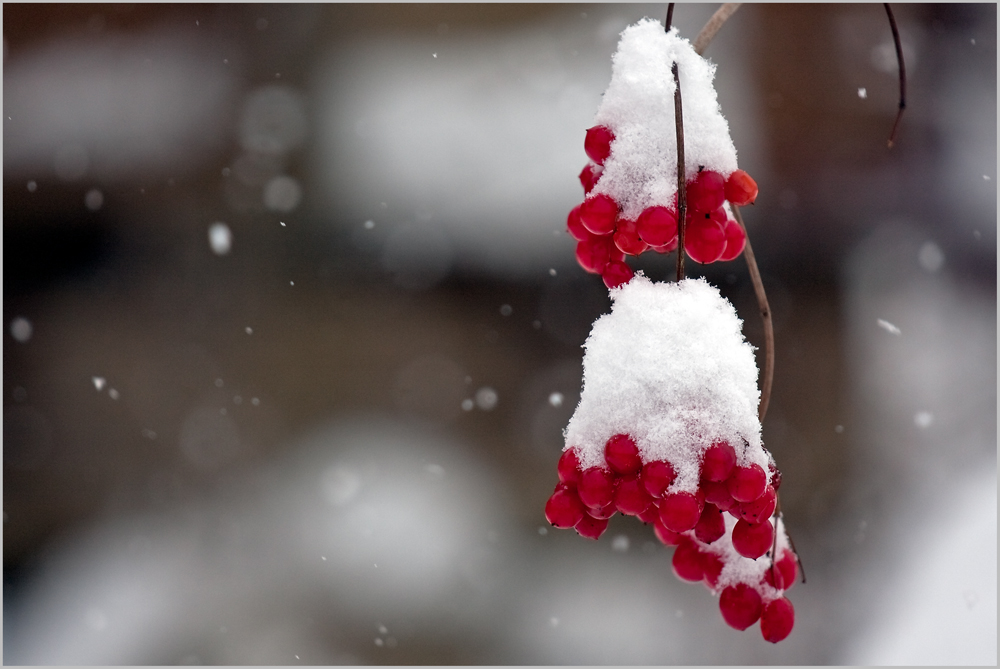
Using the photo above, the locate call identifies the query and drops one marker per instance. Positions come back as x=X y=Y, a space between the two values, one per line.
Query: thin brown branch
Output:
x=681 y=172
x=765 y=314
x=721 y=15
x=902 y=74
x=670 y=16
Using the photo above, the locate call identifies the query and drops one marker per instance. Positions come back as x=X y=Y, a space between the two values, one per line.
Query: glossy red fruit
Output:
x=575 y=225
x=717 y=492
x=711 y=565
x=752 y=539
x=589 y=177
x=747 y=483
x=718 y=463
x=657 y=476
x=616 y=273
x=761 y=508
x=740 y=605
x=711 y=525
x=681 y=511
x=775 y=475
x=622 y=455
x=785 y=573
x=668 y=537
x=594 y=254
x=650 y=515
x=564 y=508
x=740 y=188
x=706 y=192
x=605 y=511
x=669 y=247
x=736 y=240
x=598 y=214
x=627 y=237
x=590 y=527
x=597 y=144
x=657 y=226
x=687 y=562
x=705 y=239
x=596 y=487
x=569 y=466
x=777 y=620
x=631 y=497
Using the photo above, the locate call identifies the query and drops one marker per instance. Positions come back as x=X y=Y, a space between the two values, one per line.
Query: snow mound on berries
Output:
x=638 y=106
x=668 y=366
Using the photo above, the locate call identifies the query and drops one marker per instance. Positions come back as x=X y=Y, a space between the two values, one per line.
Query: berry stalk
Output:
x=681 y=173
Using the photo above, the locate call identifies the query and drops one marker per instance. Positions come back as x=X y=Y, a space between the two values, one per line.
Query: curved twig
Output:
x=721 y=15
x=902 y=74
x=681 y=172
x=765 y=314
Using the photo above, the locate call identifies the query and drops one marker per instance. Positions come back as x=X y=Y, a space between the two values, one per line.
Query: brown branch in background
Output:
x=765 y=314
x=681 y=173
x=670 y=16
x=721 y=15
x=902 y=74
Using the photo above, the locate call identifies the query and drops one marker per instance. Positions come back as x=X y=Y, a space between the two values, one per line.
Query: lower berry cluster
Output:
x=706 y=541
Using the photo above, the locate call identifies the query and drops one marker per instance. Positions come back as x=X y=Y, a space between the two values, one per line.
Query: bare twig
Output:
x=708 y=32
x=681 y=172
x=670 y=16
x=765 y=314
x=902 y=74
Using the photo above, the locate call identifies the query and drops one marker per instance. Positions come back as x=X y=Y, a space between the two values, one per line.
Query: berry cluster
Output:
x=604 y=237
x=706 y=540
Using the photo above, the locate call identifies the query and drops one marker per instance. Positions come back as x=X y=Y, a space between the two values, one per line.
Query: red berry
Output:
x=680 y=511
x=627 y=237
x=752 y=539
x=705 y=239
x=597 y=144
x=591 y=527
x=747 y=483
x=594 y=254
x=777 y=620
x=616 y=273
x=631 y=497
x=657 y=226
x=720 y=458
x=589 y=177
x=596 y=487
x=736 y=239
x=687 y=562
x=657 y=476
x=668 y=537
x=575 y=225
x=717 y=492
x=650 y=515
x=564 y=508
x=706 y=192
x=569 y=466
x=740 y=606
x=711 y=525
x=712 y=565
x=604 y=512
x=666 y=248
x=761 y=508
x=775 y=475
x=622 y=455
x=740 y=189
x=598 y=214
x=785 y=571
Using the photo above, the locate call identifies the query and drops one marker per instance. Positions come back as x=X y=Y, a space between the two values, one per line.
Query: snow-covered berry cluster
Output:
x=667 y=431
x=630 y=185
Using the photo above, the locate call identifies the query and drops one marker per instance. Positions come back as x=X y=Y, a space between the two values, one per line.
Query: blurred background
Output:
x=292 y=327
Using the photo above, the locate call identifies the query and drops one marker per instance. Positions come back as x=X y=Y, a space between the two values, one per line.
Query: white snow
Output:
x=638 y=106
x=888 y=327
x=668 y=366
x=220 y=238
x=21 y=329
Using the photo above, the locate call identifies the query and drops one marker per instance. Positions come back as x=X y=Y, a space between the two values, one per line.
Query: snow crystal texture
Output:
x=638 y=106
x=668 y=366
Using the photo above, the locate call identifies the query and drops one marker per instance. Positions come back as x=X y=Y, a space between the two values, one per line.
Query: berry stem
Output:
x=780 y=518
x=670 y=16
x=720 y=16
x=902 y=74
x=681 y=173
x=765 y=314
